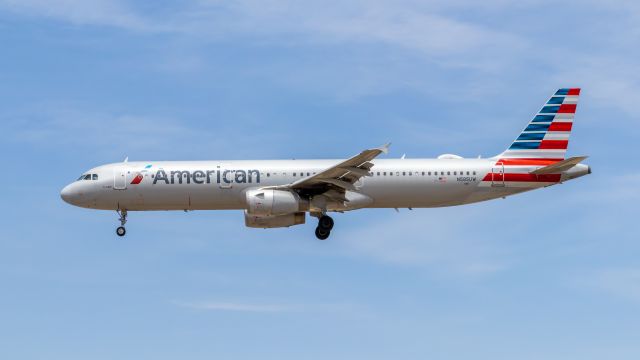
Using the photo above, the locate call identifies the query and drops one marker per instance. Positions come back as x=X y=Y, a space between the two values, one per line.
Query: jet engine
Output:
x=274 y=221
x=262 y=202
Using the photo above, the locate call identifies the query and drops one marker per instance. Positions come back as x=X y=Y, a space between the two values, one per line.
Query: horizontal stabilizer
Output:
x=560 y=166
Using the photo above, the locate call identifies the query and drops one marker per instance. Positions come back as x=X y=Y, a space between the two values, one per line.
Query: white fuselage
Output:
x=220 y=185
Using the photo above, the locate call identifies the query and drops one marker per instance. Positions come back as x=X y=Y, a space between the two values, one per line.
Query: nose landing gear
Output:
x=325 y=224
x=121 y=231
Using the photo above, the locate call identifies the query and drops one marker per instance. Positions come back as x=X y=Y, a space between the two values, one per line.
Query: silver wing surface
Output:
x=333 y=182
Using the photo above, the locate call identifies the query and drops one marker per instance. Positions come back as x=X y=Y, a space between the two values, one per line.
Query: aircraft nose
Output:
x=69 y=194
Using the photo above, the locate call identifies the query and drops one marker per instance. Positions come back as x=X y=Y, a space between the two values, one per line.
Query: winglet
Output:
x=385 y=148
x=126 y=159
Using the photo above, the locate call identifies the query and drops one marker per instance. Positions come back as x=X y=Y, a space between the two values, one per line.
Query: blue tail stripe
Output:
x=525 y=145
x=550 y=109
x=556 y=100
x=531 y=136
x=537 y=127
x=543 y=118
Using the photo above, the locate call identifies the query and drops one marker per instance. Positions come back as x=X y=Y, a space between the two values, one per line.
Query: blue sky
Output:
x=550 y=274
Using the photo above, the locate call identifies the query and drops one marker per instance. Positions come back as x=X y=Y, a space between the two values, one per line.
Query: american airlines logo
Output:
x=202 y=177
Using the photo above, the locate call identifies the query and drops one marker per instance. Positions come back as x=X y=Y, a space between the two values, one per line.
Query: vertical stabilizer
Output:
x=546 y=137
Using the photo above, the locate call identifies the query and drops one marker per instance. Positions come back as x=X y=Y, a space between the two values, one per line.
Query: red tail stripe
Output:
x=560 y=126
x=574 y=91
x=567 y=108
x=553 y=144
x=522 y=177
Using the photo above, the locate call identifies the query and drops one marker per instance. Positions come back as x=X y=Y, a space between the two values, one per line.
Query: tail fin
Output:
x=547 y=135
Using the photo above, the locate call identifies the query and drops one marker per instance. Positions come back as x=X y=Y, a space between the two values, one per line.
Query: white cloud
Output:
x=240 y=307
x=235 y=306
x=439 y=240
x=95 y=12
x=408 y=24
x=67 y=125
x=611 y=80
x=417 y=42
x=47 y=126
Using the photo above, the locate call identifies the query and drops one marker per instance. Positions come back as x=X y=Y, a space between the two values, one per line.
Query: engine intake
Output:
x=273 y=202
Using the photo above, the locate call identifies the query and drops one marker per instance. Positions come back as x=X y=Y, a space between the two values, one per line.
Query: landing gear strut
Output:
x=123 y=220
x=325 y=224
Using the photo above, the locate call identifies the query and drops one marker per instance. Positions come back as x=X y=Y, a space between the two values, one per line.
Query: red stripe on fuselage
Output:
x=523 y=177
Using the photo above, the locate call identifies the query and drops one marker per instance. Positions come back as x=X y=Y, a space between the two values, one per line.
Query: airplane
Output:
x=280 y=193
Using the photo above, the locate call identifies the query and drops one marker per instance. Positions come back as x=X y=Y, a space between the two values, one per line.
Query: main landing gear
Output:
x=123 y=220
x=325 y=224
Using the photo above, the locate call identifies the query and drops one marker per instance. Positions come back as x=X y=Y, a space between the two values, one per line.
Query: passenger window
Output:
x=384 y=173
x=448 y=172
x=467 y=173
x=455 y=173
x=474 y=173
x=404 y=173
x=307 y=174
x=429 y=173
x=94 y=176
x=410 y=173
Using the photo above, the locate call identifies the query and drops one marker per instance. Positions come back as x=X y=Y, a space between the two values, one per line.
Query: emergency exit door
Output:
x=497 y=175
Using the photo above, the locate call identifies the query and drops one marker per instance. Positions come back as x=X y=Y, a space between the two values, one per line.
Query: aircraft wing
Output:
x=340 y=177
x=559 y=166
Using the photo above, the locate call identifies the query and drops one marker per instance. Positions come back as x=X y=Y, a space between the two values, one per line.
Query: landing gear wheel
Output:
x=123 y=220
x=322 y=234
x=121 y=231
x=325 y=222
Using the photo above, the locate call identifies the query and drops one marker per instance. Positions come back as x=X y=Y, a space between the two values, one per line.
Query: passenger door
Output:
x=120 y=178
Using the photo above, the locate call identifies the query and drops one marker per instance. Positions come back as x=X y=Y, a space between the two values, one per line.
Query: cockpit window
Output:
x=88 y=177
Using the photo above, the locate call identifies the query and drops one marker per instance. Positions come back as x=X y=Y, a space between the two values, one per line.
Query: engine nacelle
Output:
x=273 y=202
x=274 y=221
